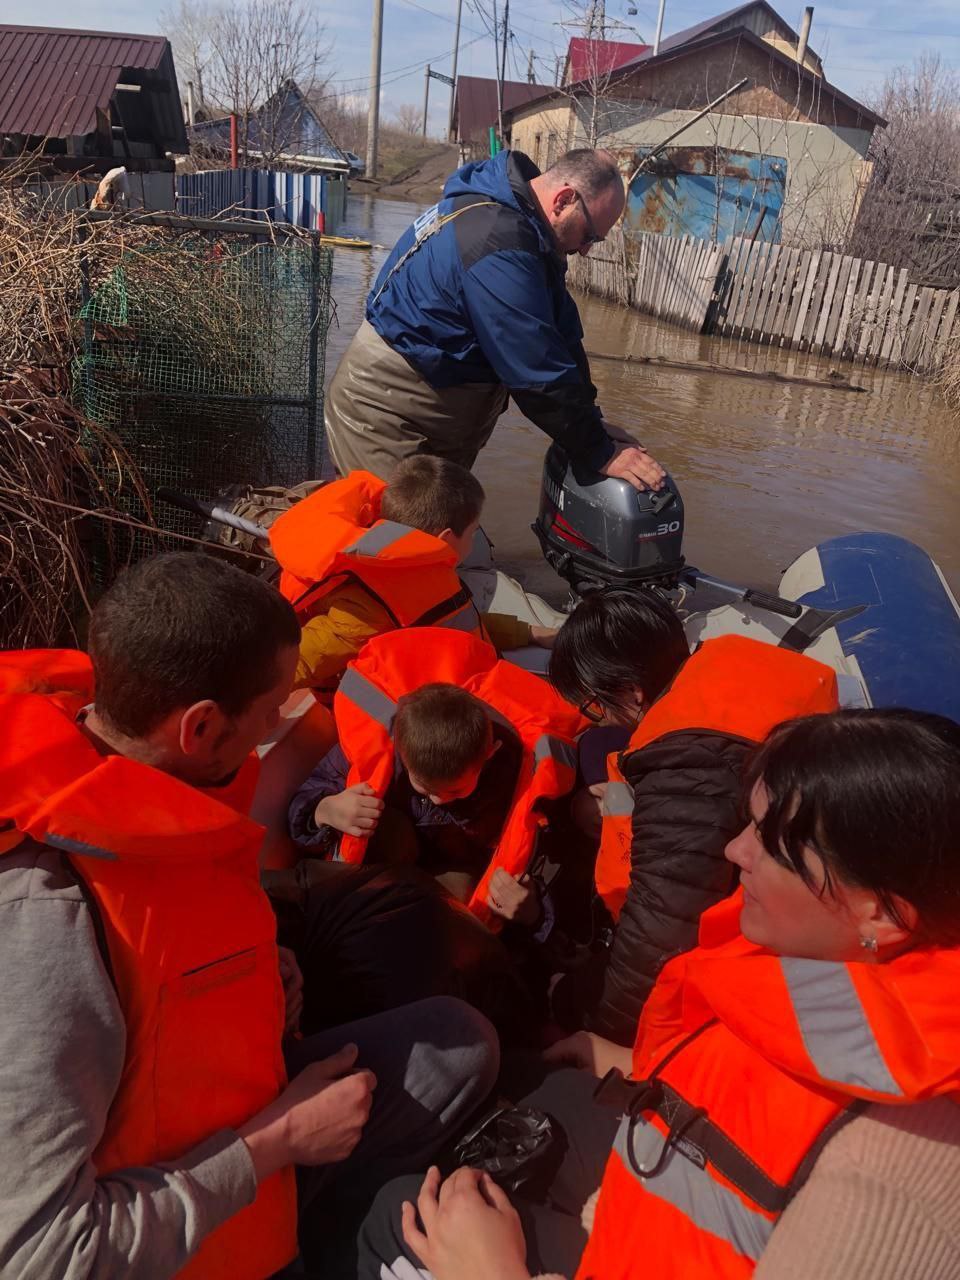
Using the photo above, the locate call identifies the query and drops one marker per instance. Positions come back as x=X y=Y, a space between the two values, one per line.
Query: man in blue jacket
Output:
x=472 y=307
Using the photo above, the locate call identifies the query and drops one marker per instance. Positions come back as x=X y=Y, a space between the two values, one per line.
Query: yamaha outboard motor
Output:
x=601 y=532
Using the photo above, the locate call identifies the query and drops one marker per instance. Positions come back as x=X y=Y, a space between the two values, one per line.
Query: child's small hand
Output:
x=511 y=900
x=355 y=811
x=543 y=636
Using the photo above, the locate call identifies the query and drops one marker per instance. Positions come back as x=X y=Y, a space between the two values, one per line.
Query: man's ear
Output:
x=449 y=537
x=492 y=749
x=198 y=727
x=563 y=197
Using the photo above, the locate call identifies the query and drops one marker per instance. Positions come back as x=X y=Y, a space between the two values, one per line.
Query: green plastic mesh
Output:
x=206 y=358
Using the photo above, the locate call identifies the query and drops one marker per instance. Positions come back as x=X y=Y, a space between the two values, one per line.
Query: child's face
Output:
x=456 y=788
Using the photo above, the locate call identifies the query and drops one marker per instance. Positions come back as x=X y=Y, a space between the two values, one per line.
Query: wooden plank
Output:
x=731 y=284
x=882 y=318
x=693 y=316
x=946 y=328
x=738 y=266
x=782 y=284
x=803 y=272
x=674 y=256
x=745 y=267
x=779 y=321
x=893 y=316
x=817 y=294
x=743 y=301
x=766 y=303
x=871 y=305
x=815 y=256
x=914 y=342
x=860 y=302
x=681 y=279
x=928 y=342
x=710 y=270
x=758 y=292
x=843 y=324
x=836 y=307
x=820 y=332
x=904 y=321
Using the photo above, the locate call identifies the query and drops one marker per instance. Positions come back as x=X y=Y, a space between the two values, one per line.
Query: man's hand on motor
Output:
x=543 y=636
x=318 y=1119
x=355 y=811
x=632 y=462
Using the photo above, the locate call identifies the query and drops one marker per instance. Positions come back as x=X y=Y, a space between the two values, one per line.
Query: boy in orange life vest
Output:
x=454 y=779
x=361 y=557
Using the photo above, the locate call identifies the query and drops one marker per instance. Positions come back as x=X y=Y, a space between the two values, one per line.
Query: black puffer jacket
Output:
x=687 y=793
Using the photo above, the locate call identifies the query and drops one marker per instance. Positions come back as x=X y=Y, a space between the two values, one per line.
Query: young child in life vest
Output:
x=453 y=786
x=355 y=565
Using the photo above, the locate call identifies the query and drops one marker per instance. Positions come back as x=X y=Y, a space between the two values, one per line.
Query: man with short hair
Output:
x=146 y=1120
x=472 y=307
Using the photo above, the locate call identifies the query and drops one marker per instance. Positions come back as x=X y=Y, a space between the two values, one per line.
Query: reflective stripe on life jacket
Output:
x=402 y=661
x=172 y=872
x=746 y=1064
x=738 y=687
x=336 y=535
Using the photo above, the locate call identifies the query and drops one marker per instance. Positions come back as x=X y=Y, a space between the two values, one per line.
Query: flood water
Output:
x=766 y=469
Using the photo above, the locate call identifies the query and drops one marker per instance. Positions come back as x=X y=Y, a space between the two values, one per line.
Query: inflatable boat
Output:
x=873 y=606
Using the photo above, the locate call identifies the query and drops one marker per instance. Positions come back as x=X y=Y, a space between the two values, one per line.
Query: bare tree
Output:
x=910 y=213
x=409 y=118
x=259 y=61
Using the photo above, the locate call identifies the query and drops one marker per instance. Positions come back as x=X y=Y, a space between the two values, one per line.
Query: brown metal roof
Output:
x=476 y=103
x=53 y=81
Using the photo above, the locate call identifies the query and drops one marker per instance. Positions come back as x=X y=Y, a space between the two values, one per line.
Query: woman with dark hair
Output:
x=662 y=782
x=789 y=1109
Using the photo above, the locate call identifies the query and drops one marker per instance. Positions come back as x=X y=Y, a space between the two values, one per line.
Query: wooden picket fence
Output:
x=807 y=300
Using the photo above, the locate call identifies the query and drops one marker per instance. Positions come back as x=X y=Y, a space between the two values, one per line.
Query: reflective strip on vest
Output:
x=78 y=847
x=368 y=698
x=617 y=800
x=465 y=619
x=692 y=1190
x=834 y=1026
x=377 y=539
x=549 y=748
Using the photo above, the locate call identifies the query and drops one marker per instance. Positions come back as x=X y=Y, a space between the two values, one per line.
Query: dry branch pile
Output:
x=54 y=467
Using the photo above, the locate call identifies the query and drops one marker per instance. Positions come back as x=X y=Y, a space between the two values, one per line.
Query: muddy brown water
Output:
x=766 y=469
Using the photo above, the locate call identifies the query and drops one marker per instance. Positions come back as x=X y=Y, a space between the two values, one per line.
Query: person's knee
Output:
x=467 y=1043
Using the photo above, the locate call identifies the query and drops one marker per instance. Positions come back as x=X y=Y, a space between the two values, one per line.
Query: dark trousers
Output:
x=553 y=1230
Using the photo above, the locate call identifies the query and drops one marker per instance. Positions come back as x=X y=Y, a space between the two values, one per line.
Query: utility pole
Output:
x=373 y=111
x=496 y=58
x=453 y=72
x=558 y=69
x=530 y=79
x=503 y=61
x=426 y=99
x=656 y=38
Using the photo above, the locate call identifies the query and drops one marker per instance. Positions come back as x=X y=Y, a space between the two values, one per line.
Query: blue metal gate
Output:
x=708 y=192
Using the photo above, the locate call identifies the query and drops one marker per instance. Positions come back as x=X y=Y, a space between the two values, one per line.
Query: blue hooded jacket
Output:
x=484 y=299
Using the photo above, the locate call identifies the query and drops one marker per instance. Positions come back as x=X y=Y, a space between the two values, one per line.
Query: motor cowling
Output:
x=597 y=531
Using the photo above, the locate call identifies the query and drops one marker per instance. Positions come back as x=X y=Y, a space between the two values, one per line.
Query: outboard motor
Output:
x=597 y=532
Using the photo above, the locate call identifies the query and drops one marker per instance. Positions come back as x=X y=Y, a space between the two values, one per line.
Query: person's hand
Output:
x=632 y=462
x=355 y=811
x=589 y=1052
x=318 y=1119
x=292 y=980
x=511 y=900
x=586 y=809
x=543 y=636
x=471 y=1231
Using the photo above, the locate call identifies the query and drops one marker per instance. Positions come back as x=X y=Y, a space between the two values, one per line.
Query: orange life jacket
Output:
x=746 y=1064
x=402 y=661
x=190 y=937
x=336 y=535
x=734 y=686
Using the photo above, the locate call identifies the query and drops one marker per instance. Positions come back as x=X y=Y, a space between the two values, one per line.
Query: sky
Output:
x=859 y=44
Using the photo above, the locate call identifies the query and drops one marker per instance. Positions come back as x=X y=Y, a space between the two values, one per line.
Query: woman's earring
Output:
x=869 y=944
